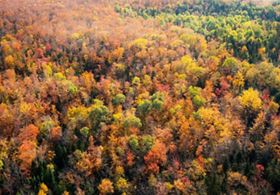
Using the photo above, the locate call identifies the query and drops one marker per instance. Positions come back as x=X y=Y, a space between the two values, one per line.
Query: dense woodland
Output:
x=139 y=97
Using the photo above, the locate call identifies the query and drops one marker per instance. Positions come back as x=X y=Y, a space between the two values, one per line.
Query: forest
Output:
x=140 y=97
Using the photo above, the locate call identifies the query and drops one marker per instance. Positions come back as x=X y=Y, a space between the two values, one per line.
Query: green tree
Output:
x=98 y=113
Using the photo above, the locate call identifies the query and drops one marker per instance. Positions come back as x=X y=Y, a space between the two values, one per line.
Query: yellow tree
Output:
x=251 y=103
x=106 y=187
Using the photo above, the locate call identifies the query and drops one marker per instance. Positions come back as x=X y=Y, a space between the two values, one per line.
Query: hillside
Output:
x=139 y=97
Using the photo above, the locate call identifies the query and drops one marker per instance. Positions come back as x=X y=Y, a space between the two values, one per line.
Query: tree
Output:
x=251 y=103
x=119 y=99
x=134 y=143
x=9 y=61
x=132 y=121
x=237 y=182
x=3 y=152
x=144 y=107
x=90 y=161
x=122 y=185
x=157 y=100
x=56 y=133
x=156 y=157
x=6 y=118
x=195 y=93
x=238 y=81
x=28 y=147
x=217 y=127
x=87 y=81
x=192 y=69
x=46 y=126
x=98 y=113
x=146 y=143
x=140 y=43
x=250 y=100
x=230 y=66
x=106 y=187
x=43 y=189
x=77 y=117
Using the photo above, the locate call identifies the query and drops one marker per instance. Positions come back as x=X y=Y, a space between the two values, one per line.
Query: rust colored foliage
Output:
x=156 y=157
x=139 y=97
x=28 y=147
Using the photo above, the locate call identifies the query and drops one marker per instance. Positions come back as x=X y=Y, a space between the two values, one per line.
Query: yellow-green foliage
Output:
x=140 y=43
x=212 y=118
x=250 y=99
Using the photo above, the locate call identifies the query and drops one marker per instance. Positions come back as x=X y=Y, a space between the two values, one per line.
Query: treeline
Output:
x=249 y=31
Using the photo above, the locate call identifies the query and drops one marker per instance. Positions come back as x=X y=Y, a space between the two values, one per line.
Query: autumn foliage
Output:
x=139 y=97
